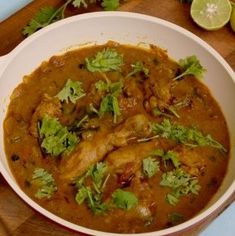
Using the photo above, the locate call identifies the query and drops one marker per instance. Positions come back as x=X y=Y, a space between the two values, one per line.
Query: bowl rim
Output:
x=181 y=227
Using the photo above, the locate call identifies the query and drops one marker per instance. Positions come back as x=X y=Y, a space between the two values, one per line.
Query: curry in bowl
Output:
x=117 y=138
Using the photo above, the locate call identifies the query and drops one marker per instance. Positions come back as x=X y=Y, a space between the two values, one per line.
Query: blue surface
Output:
x=224 y=225
x=8 y=7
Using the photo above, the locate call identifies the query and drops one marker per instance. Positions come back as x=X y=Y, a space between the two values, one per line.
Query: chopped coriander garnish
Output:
x=150 y=166
x=92 y=195
x=98 y=173
x=124 y=199
x=82 y=194
x=93 y=200
x=113 y=88
x=186 y=135
x=56 y=139
x=72 y=91
x=45 y=182
x=110 y=103
x=191 y=66
x=102 y=85
x=137 y=68
x=107 y=60
x=166 y=156
x=181 y=184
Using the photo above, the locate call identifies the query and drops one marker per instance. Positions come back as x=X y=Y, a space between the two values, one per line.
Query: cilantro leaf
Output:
x=150 y=166
x=168 y=155
x=43 y=18
x=107 y=60
x=181 y=184
x=102 y=85
x=191 y=66
x=48 y=15
x=46 y=183
x=98 y=173
x=110 y=104
x=72 y=91
x=92 y=195
x=56 y=138
x=124 y=199
x=110 y=5
x=82 y=194
x=113 y=88
x=85 y=194
x=173 y=156
x=186 y=135
x=137 y=68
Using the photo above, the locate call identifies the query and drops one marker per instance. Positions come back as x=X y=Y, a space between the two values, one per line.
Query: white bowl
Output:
x=127 y=28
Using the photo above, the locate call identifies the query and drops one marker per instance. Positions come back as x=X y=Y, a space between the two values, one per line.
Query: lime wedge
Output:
x=232 y=18
x=211 y=14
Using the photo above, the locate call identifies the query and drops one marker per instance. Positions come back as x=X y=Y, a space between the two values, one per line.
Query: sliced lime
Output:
x=232 y=18
x=211 y=14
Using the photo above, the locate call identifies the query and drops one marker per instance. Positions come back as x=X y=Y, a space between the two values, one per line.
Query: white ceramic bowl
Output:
x=128 y=28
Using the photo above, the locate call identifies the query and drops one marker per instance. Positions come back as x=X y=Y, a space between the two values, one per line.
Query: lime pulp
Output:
x=211 y=14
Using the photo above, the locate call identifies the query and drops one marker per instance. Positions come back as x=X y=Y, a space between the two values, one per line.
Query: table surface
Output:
x=16 y=217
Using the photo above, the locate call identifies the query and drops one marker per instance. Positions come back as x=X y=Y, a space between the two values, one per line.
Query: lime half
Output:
x=211 y=14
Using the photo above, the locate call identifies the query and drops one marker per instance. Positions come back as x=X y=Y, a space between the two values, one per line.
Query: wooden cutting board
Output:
x=16 y=217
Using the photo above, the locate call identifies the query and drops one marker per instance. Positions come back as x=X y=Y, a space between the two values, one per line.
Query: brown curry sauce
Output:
x=140 y=95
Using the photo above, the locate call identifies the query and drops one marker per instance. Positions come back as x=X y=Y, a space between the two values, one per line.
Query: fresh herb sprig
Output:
x=138 y=67
x=104 y=61
x=181 y=184
x=72 y=91
x=48 y=14
x=124 y=199
x=45 y=182
x=190 y=66
x=167 y=156
x=109 y=102
x=190 y=136
x=56 y=139
x=150 y=166
x=92 y=194
x=45 y=17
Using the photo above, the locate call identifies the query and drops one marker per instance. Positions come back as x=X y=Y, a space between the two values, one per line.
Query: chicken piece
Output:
x=50 y=106
x=126 y=161
x=191 y=161
x=134 y=127
x=134 y=153
x=92 y=151
x=86 y=154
